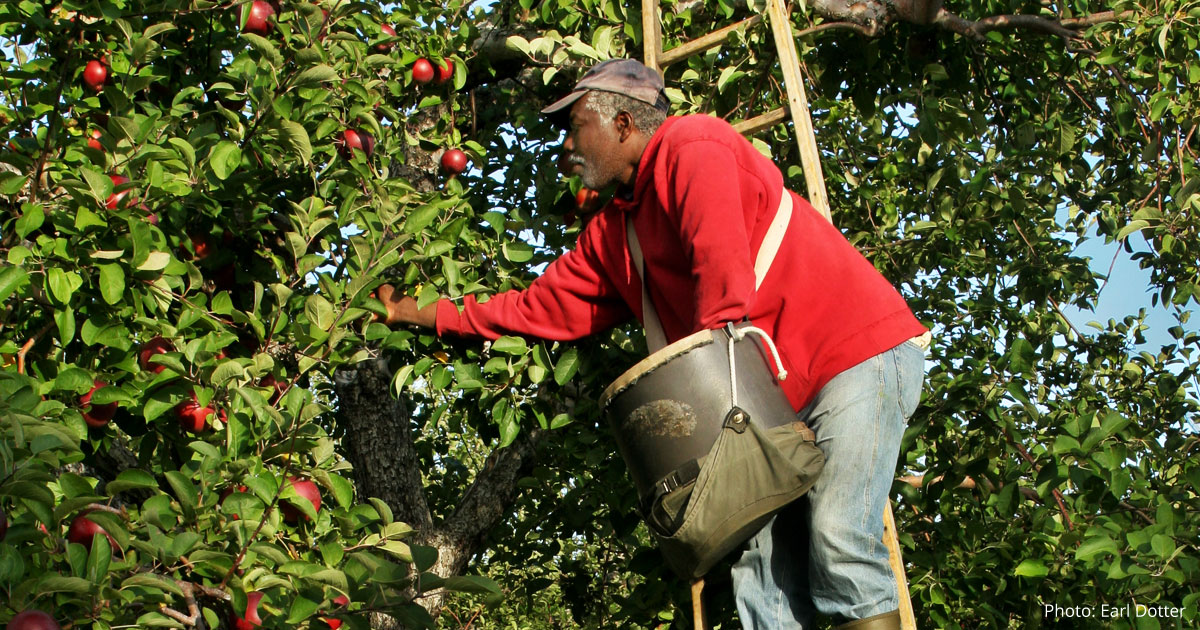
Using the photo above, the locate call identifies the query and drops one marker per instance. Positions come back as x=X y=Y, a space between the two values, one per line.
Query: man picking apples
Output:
x=700 y=199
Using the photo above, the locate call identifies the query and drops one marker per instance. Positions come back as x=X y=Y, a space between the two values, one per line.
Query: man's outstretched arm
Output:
x=402 y=309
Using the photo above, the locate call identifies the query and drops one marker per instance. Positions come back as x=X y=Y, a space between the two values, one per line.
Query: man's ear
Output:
x=624 y=124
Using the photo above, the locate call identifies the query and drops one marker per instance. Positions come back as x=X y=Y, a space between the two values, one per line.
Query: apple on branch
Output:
x=454 y=161
x=249 y=619
x=259 y=20
x=445 y=71
x=388 y=31
x=341 y=601
x=422 y=70
x=157 y=345
x=351 y=140
x=96 y=415
x=116 y=198
x=193 y=418
x=95 y=75
x=33 y=620
x=82 y=530
x=307 y=490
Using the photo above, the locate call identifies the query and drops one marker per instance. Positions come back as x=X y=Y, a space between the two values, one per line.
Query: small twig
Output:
x=849 y=26
x=28 y=345
x=1058 y=498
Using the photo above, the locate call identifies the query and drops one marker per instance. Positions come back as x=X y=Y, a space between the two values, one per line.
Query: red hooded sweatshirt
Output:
x=702 y=202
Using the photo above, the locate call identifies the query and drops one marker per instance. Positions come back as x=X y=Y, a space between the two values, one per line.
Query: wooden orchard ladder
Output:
x=810 y=160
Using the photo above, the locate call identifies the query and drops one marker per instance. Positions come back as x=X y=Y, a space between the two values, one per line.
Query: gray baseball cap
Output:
x=622 y=76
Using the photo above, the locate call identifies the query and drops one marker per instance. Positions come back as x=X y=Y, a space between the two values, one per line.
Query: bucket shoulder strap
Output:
x=656 y=339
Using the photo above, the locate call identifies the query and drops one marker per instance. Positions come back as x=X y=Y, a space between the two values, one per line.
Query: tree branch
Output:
x=1067 y=28
x=379 y=440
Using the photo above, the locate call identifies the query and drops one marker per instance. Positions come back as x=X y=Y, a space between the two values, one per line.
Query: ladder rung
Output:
x=758 y=123
x=700 y=44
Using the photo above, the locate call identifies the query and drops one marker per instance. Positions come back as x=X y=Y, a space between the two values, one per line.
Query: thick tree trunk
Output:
x=379 y=443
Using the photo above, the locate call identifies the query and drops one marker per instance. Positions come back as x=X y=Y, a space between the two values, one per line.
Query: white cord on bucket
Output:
x=737 y=334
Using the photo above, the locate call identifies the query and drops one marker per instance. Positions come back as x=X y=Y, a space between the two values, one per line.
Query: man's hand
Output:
x=402 y=309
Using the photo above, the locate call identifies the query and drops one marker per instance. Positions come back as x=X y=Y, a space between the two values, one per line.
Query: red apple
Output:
x=157 y=345
x=94 y=141
x=115 y=198
x=200 y=246
x=422 y=70
x=351 y=139
x=389 y=32
x=305 y=489
x=251 y=619
x=445 y=71
x=95 y=75
x=454 y=161
x=587 y=199
x=83 y=528
x=258 y=22
x=33 y=620
x=96 y=415
x=341 y=601
x=194 y=418
x=225 y=495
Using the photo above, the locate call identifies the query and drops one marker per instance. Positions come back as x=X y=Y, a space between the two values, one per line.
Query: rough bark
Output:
x=379 y=442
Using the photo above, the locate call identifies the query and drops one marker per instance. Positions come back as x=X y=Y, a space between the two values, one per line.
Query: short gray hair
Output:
x=646 y=117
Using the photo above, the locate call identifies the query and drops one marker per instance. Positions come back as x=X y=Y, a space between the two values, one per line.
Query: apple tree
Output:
x=197 y=198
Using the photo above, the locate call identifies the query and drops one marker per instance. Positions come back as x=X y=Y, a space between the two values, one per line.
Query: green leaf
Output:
x=517 y=252
x=185 y=150
x=264 y=46
x=471 y=584
x=1163 y=546
x=100 y=184
x=184 y=491
x=64 y=319
x=32 y=218
x=568 y=365
x=63 y=284
x=1031 y=568
x=98 y=560
x=11 y=280
x=60 y=584
x=155 y=261
x=12 y=183
x=293 y=137
x=152 y=580
x=130 y=479
x=510 y=345
x=420 y=218
x=302 y=608
x=316 y=75
x=158 y=29
x=1132 y=227
x=226 y=371
x=1096 y=546
x=224 y=159
x=319 y=311
x=509 y=430
x=112 y=283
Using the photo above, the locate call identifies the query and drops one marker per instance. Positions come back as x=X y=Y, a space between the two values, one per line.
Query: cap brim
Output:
x=564 y=102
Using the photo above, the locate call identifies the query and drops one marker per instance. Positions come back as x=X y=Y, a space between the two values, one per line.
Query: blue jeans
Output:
x=825 y=553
